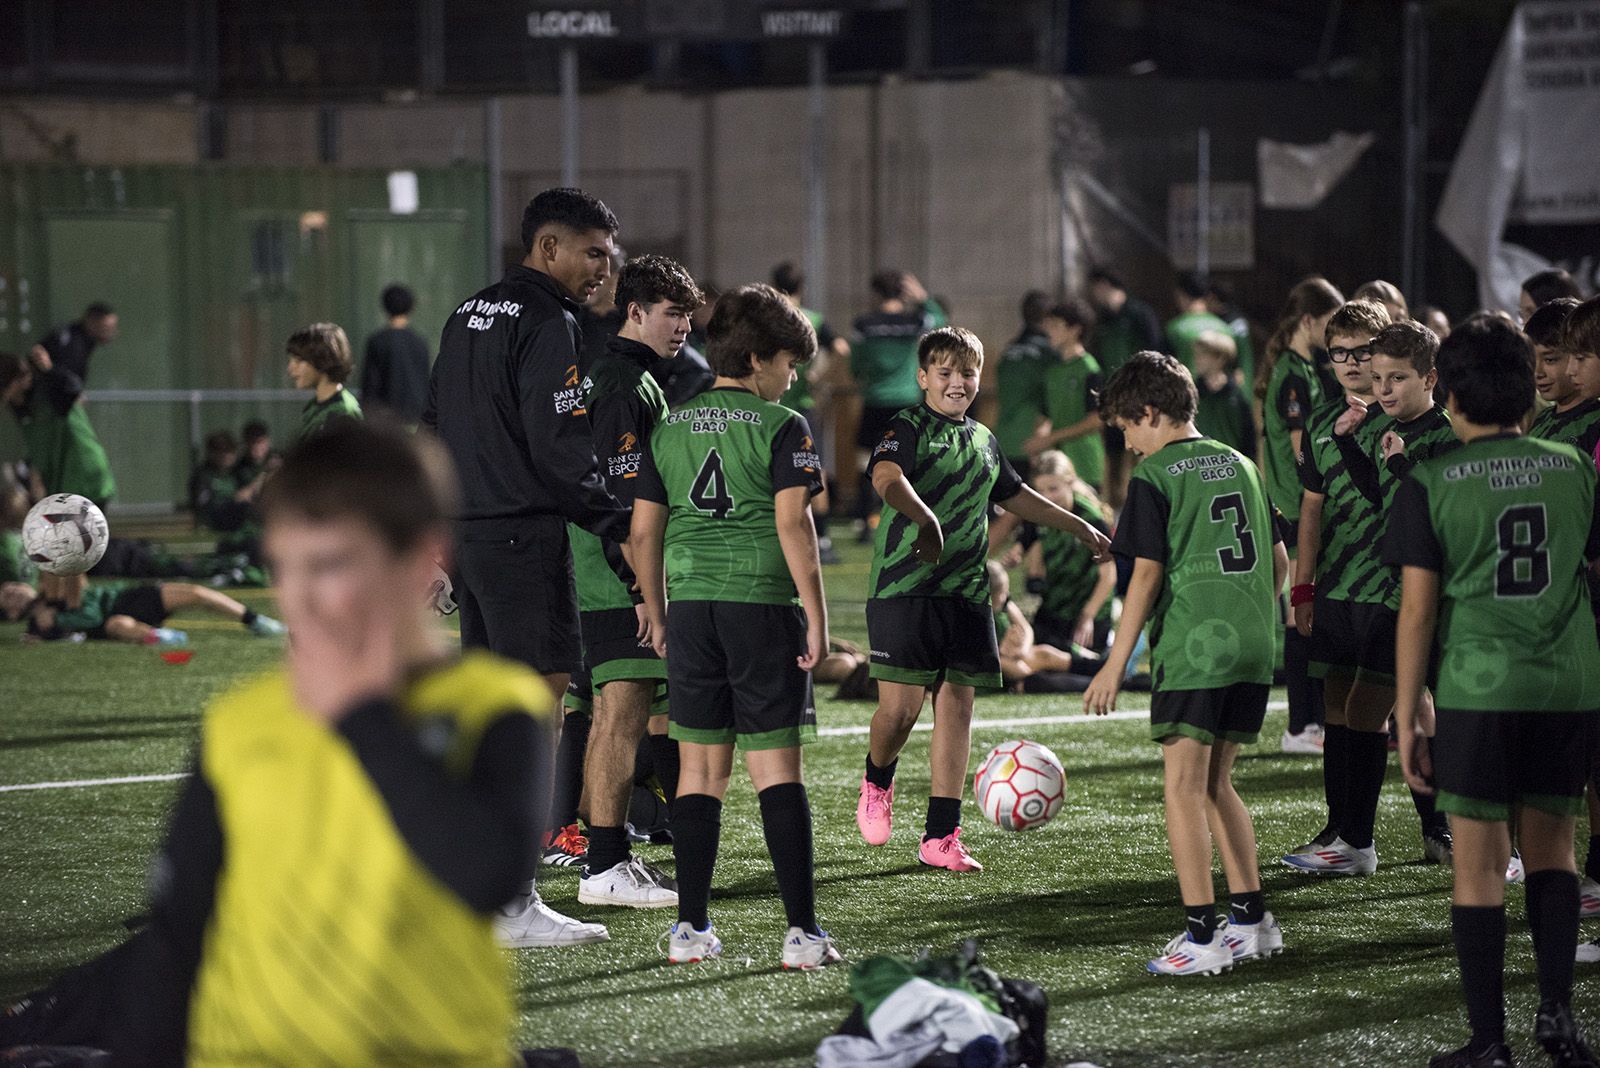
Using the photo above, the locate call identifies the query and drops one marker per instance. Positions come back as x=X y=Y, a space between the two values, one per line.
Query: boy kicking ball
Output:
x=928 y=616
x=128 y=612
x=1207 y=567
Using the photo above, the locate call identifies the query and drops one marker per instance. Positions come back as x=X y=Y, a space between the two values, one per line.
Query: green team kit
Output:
x=1020 y=381
x=928 y=622
x=717 y=463
x=1200 y=510
x=1296 y=388
x=1507 y=523
x=1186 y=328
x=317 y=415
x=1070 y=575
x=1578 y=426
x=1070 y=389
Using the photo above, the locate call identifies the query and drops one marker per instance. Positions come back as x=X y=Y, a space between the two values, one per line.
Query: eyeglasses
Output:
x=1361 y=354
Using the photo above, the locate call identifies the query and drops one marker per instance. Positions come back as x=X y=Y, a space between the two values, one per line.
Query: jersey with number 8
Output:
x=1200 y=509
x=716 y=462
x=1506 y=522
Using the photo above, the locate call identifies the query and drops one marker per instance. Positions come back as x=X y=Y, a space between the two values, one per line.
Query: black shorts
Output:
x=1355 y=637
x=1229 y=713
x=1486 y=763
x=579 y=697
x=612 y=650
x=1049 y=630
x=923 y=641
x=513 y=582
x=733 y=675
x=874 y=421
x=139 y=602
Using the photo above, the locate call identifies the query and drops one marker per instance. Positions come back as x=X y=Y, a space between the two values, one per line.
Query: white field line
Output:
x=824 y=732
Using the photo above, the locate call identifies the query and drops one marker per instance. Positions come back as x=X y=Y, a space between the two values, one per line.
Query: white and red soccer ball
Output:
x=65 y=534
x=1020 y=785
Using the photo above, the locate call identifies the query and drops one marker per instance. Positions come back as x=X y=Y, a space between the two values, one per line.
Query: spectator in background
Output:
x=1541 y=288
x=319 y=360
x=257 y=456
x=1434 y=319
x=394 y=374
x=70 y=346
x=1124 y=325
x=1388 y=294
x=1019 y=379
x=883 y=362
x=702 y=314
x=64 y=453
x=831 y=349
x=1225 y=411
x=1220 y=302
x=1194 y=318
x=599 y=319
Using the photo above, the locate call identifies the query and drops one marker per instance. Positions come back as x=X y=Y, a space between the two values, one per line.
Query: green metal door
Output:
x=428 y=253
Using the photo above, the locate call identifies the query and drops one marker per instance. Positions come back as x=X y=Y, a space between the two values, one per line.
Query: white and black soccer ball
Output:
x=65 y=534
x=1020 y=785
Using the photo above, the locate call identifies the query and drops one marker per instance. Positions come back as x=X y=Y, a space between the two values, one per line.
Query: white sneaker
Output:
x=1588 y=898
x=1515 y=872
x=632 y=883
x=685 y=945
x=1307 y=743
x=1183 y=957
x=1248 y=941
x=1588 y=952
x=526 y=922
x=1336 y=858
x=808 y=951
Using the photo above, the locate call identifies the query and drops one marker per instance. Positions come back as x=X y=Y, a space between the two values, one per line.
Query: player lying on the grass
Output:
x=1022 y=660
x=1075 y=605
x=122 y=611
x=355 y=817
x=655 y=297
x=721 y=523
x=1207 y=565
x=1493 y=541
x=928 y=616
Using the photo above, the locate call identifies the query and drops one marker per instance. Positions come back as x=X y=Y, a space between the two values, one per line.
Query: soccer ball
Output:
x=1214 y=643
x=1020 y=784
x=1479 y=666
x=65 y=534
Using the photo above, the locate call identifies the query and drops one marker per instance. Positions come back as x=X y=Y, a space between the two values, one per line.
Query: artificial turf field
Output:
x=1368 y=976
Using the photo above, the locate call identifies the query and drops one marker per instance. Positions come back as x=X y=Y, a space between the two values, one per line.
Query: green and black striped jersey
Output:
x=956 y=467
x=1070 y=571
x=1578 y=426
x=1507 y=523
x=1296 y=388
x=1349 y=565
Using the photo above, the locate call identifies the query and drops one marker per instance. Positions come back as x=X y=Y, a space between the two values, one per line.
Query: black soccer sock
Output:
x=1552 y=898
x=248 y=618
x=1336 y=774
x=1591 y=864
x=1433 y=821
x=1480 y=937
x=1201 y=922
x=569 y=770
x=786 y=822
x=1305 y=692
x=883 y=777
x=608 y=847
x=1247 y=908
x=696 y=828
x=1369 y=761
x=664 y=755
x=944 y=816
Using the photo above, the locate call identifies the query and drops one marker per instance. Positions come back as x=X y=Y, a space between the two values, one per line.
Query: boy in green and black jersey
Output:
x=1493 y=540
x=1071 y=382
x=319 y=360
x=928 y=614
x=1573 y=416
x=1075 y=605
x=1207 y=565
x=61 y=445
x=656 y=298
x=1019 y=381
x=721 y=523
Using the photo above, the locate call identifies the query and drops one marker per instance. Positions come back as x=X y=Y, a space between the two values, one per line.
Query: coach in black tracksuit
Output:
x=505 y=398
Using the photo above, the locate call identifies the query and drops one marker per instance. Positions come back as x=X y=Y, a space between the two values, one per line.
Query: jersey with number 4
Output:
x=1507 y=523
x=716 y=463
x=1200 y=510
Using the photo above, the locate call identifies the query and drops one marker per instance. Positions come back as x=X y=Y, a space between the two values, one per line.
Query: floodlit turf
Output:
x=1369 y=976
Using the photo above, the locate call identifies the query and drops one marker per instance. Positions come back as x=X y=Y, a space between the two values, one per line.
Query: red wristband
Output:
x=1304 y=593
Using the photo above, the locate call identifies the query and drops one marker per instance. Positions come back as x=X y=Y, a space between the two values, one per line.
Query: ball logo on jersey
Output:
x=1214 y=644
x=624 y=463
x=569 y=400
x=1479 y=666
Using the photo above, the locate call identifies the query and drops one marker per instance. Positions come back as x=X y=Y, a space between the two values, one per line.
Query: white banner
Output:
x=1532 y=151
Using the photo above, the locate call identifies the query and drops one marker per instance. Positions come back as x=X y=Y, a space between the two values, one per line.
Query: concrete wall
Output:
x=34 y=130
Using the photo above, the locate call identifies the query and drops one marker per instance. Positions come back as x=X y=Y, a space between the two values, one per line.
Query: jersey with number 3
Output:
x=716 y=463
x=1200 y=510
x=1507 y=523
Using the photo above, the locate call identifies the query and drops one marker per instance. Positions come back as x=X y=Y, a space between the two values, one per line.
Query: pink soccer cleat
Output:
x=875 y=813
x=948 y=852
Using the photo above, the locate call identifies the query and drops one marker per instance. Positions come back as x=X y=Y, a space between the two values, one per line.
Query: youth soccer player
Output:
x=1071 y=381
x=1019 y=381
x=1225 y=413
x=319 y=360
x=1207 y=565
x=123 y=611
x=1291 y=384
x=655 y=297
x=1573 y=416
x=1492 y=540
x=720 y=522
x=928 y=618
x=1076 y=600
x=1194 y=318
x=356 y=816
x=61 y=444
